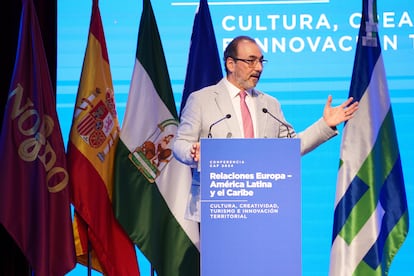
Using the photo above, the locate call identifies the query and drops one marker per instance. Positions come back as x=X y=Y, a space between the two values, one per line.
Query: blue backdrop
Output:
x=310 y=46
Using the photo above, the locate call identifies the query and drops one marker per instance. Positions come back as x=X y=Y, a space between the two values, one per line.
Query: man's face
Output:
x=245 y=69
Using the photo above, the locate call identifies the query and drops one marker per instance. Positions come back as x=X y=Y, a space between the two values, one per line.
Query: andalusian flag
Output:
x=371 y=216
x=151 y=187
x=90 y=156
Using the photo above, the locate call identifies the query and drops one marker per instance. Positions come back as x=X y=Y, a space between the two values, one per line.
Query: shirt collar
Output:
x=234 y=91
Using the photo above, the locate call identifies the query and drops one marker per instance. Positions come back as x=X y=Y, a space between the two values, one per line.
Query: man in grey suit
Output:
x=217 y=111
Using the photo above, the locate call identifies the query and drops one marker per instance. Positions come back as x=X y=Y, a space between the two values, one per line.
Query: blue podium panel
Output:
x=250 y=207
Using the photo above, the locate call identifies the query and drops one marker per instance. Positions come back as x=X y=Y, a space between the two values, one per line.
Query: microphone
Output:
x=228 y=116
x=280 y=121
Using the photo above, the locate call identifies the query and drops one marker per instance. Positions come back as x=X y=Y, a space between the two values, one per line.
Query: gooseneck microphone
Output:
x=280 y=121
x=228 y=116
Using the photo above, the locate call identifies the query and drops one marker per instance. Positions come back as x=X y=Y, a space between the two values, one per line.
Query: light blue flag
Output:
x=371 y=215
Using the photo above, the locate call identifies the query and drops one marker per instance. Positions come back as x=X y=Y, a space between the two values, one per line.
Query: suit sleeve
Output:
x=188 y=131
x=316 y=134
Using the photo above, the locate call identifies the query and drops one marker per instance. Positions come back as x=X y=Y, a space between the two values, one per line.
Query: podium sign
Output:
x=250 y=207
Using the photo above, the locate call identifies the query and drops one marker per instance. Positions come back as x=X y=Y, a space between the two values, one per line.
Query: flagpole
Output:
x=89 y=258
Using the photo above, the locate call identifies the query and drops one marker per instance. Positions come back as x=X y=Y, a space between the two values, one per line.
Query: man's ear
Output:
x=230 y=64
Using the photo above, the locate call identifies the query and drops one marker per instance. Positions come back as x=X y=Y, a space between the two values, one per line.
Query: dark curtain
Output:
x=12 y=261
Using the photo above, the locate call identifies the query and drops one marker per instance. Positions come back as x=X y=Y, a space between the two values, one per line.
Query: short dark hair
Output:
x=231 y=49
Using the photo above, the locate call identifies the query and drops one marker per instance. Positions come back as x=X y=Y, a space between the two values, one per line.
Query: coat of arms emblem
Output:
x=97 y=125
x=152 y=156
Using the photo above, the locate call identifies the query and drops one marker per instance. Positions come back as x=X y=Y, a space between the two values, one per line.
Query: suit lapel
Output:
x=260 y=115
x=225 y=105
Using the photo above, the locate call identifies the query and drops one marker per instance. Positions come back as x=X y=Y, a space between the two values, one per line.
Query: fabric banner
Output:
x=91 y=150
x=34 y=191
x=151 y=186
x=371 y=215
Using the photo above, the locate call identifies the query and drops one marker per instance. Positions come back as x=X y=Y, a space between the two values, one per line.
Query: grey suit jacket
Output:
x=210 y=104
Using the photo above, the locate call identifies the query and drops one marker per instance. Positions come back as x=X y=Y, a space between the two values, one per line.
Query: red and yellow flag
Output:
x=91 y=148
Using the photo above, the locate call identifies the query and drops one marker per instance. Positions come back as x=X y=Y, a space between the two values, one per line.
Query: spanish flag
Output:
x=91 y=149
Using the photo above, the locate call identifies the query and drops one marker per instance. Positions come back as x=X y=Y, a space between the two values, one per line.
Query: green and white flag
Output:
x=151 y=187
x=371 y=213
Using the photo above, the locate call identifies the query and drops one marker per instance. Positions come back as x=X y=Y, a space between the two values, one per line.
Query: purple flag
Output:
x=34 y=192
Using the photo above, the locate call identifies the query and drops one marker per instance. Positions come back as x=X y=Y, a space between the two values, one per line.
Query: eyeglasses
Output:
x=251 y=62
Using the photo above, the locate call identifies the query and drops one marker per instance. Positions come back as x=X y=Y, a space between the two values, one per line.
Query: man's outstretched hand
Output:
x=333 y=116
